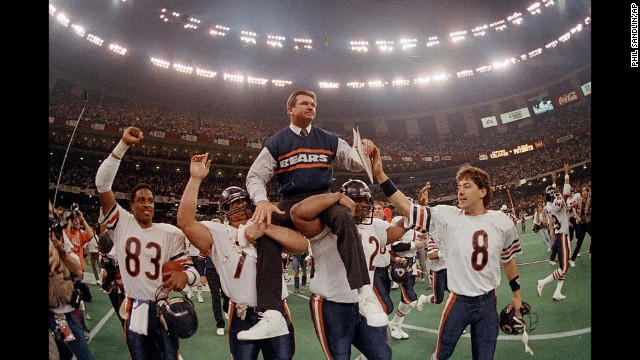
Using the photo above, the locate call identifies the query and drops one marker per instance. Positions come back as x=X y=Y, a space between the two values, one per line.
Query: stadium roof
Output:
x=331 y=24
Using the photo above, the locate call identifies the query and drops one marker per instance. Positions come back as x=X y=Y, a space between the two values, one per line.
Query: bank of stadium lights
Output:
x=63 y=19
x=280 y=83
x=499 y=25
x=400 y=82
x=117 y=49
x=275 y=40
x=552 y=44
x=408 y=44
x=302 y=44
x=376 y=83
x=95 y=39
x=422 y=80
x=192 y=23
x=186 y=69
x=359 y=45
x=464 y=73
x=458 y=35
x=160 y=63
x=587 y=20
x=480 y=30
x=356 y=84
x=515 y=18
x=547 y=3
x=233 y=77
x=503 y=63
x=52 y=9
x=219 y=30
x=205 y=73
x=483 y=69
x=256 y=80
x=78 y=29
x=384 y=45
x=328 y=85
x=433 y=41
x=248 y=37
x=535 y=52
x=440 y=77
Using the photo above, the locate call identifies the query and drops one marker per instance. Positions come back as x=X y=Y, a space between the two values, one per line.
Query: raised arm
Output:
x=395 y=196
x=109 y=167
x=196 y=232
x=305 y=214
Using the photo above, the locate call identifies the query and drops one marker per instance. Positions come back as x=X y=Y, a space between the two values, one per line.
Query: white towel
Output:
x=139 y=317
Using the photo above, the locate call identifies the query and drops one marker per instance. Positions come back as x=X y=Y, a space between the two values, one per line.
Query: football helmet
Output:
x=511 y=324
x=549 y=193
x=233 y=194
x=357 y=190
x=178 y=316
x=504 y=208
x=400 y=273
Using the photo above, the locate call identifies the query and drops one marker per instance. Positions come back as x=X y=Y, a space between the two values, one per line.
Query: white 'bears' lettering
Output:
x=304 y=158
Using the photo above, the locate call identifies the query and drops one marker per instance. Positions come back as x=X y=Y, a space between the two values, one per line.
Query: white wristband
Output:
x=120 y=149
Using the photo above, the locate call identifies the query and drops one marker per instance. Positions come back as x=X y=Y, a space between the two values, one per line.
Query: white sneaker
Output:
x=190 y=293
x=539 y=287
x=421 y=301
x=572 y=263
x=87 y=317
x=578 y=255
x=200 y=299
x=394 y=285
x=226 y=316
x=549 y=249
x=558 y=297
x=220 y=331
x=271 y=325
x=464 y=331
x=551 y=262
x=397 y=333
x=370 y=308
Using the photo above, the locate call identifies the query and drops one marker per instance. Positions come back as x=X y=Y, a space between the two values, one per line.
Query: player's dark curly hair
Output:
x=479 y=177
x=132 y=194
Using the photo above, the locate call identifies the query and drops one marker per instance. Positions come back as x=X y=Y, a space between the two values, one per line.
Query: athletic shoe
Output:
x=370 y=308
x=551 y=262
x=397 y=333
x=558 y=297
x=421 y=301
x=271 y=325
x=539 y=287
x=190 y=293
x=200 y=299
x=220 y=331
x=572 y=263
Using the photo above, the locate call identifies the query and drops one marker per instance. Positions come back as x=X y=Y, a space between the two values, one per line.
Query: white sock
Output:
x=430 y=299
x=559 y=286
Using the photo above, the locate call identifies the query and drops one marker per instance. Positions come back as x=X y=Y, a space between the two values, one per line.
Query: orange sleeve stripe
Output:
x=302 y=166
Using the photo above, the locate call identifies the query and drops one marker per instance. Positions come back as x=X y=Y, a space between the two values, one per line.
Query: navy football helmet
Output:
x=357 y=190
x=511 y=324
x=233 y=194
x=178 y=316
x=549 y=193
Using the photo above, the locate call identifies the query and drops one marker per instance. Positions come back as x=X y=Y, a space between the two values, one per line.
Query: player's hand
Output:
x=348 y=203
x=255 y=231
x=200 y=165
x=566 y=169
x=376 y=162
x=553 y=178
x=367 y=147
x=424 y=194
x=177 y=280
x=263 y=212
x=132 y=135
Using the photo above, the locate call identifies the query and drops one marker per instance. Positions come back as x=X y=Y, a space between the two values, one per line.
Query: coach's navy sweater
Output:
x=303 y=165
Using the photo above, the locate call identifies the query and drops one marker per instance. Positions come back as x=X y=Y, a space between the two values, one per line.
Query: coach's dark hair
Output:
x=132 y=194
x=291 y=102
x=479 y=177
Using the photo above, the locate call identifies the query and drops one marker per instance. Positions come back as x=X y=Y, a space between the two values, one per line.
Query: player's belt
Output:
x=476 y=299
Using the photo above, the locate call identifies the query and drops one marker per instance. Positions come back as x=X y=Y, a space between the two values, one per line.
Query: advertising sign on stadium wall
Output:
x=157 y=133
x=97 y=126
x=489 y=121
x=568 y=98
x=564 y=138
x=498 y=153
x=515 y=115
x=427 y=158
x=189 y=137
x=446 y=157
x=483 y=156
x=586 y=88
x=522 y=149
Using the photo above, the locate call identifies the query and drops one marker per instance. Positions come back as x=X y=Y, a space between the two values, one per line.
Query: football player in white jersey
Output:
x=334 y=305
x=477 y=242
x=235 y=259
x=557 y=206
x=142 y=247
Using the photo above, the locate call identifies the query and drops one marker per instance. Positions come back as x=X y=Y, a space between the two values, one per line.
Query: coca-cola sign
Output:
x=568 y=98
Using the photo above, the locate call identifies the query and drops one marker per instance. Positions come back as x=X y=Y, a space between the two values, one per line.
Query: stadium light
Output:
x=160 y=63
x=205 y=73
x=95 y=40
x=233 y=77
x=280 y=83
x=408 y=44
x=247 y=37
x=275 y=40
x=302 y=44
x=355 y=84
x=79 y=29
x=359 y=45
x=384 y=45
x=117 y=49
x=219 y=30
x=256 y=80
x=328 y=85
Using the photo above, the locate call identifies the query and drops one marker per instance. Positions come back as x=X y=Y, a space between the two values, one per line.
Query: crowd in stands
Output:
x=574 y=120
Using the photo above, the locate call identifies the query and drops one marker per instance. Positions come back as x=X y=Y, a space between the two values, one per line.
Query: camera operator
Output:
x=79 y=236
x=63 y=320
x=110 y=273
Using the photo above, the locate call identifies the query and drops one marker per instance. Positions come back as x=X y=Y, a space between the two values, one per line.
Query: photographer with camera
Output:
x=80 y=233
x=63 y=321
